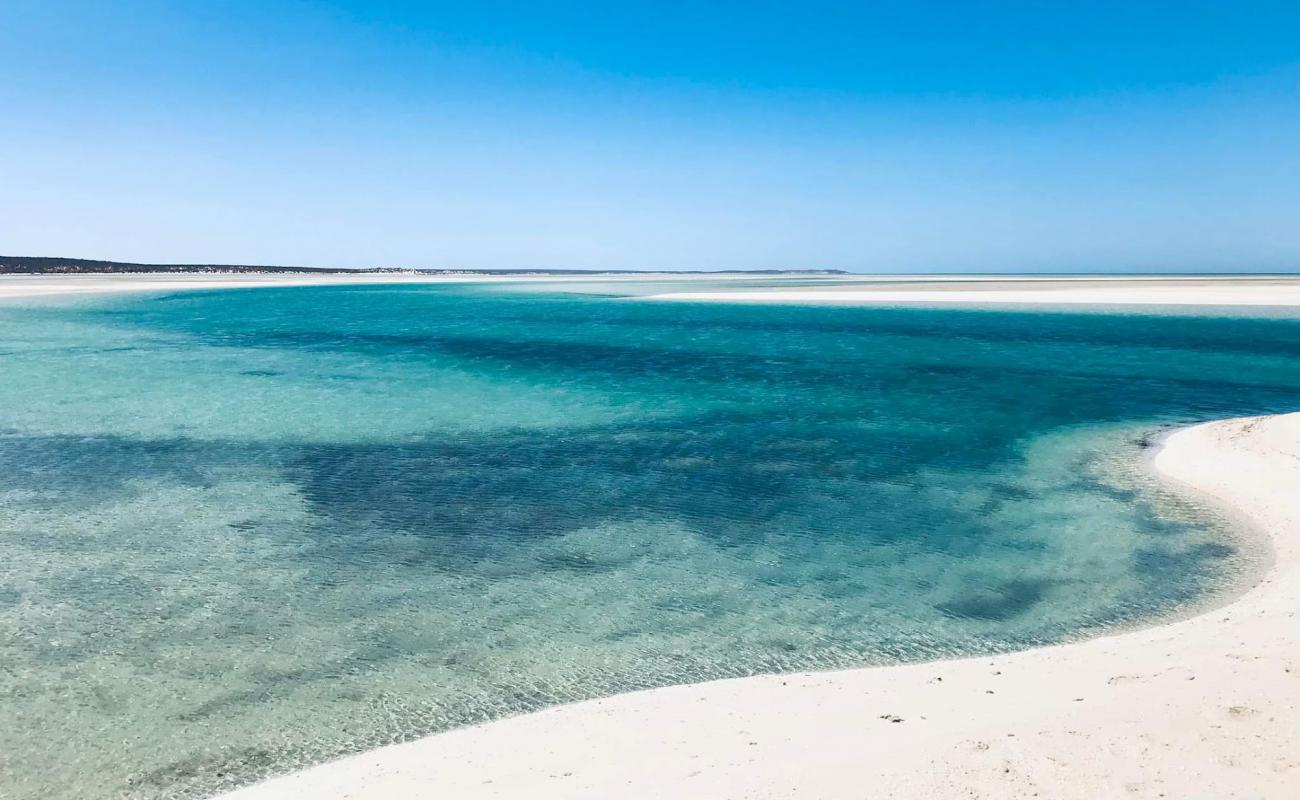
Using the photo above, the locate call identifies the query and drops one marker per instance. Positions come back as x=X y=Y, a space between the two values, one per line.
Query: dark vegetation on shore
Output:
x=41 y=265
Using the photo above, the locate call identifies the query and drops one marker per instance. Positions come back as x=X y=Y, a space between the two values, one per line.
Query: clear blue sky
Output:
x=1041 y=136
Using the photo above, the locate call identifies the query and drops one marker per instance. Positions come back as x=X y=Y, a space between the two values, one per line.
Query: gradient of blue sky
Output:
x=896 y=136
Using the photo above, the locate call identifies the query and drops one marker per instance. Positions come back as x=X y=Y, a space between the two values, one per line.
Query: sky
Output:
x=871 y=137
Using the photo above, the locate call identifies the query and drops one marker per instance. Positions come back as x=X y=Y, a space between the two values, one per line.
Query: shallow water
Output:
x=243 y=531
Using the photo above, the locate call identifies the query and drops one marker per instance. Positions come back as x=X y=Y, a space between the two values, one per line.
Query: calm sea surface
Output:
x=244 y=531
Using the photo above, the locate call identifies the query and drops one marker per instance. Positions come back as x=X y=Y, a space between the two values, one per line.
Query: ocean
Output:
x=244 y=531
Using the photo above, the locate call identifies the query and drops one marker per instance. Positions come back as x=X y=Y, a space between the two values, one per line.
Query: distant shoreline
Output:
x=52 y=265
x=26 y=285
x=52 y=285
x=1239 y=290
x=836 y=290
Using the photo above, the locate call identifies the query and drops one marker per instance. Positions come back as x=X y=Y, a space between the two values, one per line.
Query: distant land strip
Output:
x=44 y=265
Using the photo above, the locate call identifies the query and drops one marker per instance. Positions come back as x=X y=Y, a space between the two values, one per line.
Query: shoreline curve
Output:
x=1204 y=706
x=1228 y=292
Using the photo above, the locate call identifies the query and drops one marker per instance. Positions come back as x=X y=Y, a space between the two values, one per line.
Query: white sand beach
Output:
x=995 y=290
x=1207 y=707
x=1227 y=291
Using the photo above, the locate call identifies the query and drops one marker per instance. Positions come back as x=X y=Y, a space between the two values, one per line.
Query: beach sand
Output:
x=1206 y=707
x=1092 y=290
x=1236 y=290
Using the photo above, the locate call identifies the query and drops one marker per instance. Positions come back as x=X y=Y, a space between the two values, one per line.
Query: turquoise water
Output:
x=243 y=531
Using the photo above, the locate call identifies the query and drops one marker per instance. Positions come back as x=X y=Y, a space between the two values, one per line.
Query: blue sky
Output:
x=875 y=137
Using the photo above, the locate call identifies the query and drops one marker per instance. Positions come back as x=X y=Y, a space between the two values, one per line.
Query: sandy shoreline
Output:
x=1244 y=291
x=18 y=286
x=25 y=285
x=1204 y=707
x=1094 y=290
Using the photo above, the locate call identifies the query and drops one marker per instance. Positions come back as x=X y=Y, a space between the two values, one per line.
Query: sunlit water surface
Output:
x=244 y=531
